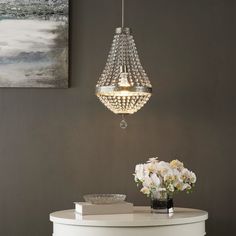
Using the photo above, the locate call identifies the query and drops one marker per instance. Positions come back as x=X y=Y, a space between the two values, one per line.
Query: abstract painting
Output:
x=34 y=43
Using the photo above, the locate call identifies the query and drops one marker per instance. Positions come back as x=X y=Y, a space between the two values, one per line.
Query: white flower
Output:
x=193 y=177
x=151 y=167
x=139 y=172
x=163 y=168
x=185 y=186
x=162 y=189
x=177 y=175
x=185 y=174
x=168 y=177
x=146 y=170
x=163 y=164
x=152 y=160
x=171 y=188
x=156 y=181
x=177 y=164
x=147 y=182
x=145 y=190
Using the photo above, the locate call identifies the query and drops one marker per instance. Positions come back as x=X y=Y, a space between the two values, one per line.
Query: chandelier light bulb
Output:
x=123 y=80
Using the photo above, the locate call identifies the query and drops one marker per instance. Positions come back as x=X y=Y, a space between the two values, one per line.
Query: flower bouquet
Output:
x=160 y=180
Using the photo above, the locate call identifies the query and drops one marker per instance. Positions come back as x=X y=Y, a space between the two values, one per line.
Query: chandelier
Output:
x=123 y=86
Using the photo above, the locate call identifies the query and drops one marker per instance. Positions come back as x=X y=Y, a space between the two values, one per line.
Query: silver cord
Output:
x=123 y=13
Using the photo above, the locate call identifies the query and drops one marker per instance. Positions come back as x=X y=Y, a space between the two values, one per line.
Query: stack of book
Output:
x=86 y=208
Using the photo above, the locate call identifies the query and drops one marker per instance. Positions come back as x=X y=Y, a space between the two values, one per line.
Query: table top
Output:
x=141 y=216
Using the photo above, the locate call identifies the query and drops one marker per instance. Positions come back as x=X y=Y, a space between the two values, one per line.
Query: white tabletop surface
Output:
x=141 y=216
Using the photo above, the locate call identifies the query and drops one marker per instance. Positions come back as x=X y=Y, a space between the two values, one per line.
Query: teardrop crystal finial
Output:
x=123 y=123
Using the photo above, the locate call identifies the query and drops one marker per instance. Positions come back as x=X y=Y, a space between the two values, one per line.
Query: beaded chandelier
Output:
x=123 y=86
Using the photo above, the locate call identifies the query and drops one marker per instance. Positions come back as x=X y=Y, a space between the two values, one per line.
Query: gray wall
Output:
x=56 y=145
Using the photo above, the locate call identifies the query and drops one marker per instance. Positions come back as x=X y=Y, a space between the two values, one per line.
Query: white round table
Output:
x=183 y=222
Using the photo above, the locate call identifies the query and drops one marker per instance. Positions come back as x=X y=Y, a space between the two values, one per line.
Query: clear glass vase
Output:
x=162 y=202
